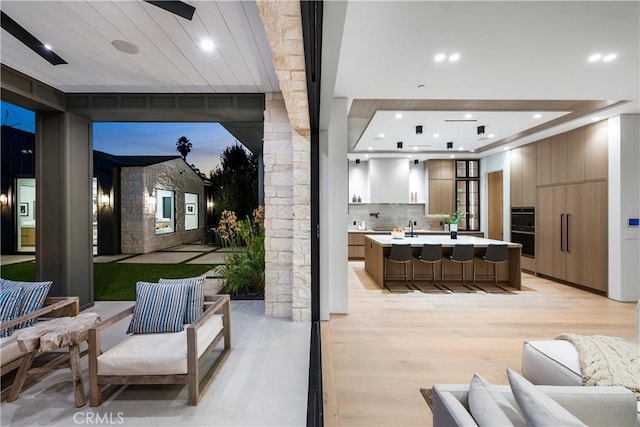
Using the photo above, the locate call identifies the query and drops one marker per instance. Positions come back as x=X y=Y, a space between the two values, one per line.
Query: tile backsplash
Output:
x=385 y=216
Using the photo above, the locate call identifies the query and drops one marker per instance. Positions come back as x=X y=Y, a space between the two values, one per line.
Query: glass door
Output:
x=26 y=214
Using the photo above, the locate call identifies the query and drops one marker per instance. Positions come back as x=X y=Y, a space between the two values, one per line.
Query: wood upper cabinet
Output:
x=596 y=151
x=543 y=162
x=441 y=186
x=575 y=155
x=523 y=176
x=441 y=196
x=441 y=169
x=558 y=158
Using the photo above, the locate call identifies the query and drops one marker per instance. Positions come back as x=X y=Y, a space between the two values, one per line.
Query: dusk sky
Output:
x=209 y=139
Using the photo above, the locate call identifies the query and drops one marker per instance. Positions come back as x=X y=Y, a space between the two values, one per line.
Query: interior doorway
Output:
x=496 y=208
x=26 y=214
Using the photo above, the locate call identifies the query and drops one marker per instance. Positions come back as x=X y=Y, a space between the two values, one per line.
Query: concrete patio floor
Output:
x=262 y=383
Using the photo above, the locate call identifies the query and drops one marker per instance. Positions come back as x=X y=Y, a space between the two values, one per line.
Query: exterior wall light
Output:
x=105 y=199
x=3 y=199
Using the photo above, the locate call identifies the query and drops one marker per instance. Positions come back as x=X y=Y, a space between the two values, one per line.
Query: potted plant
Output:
x=453 y=220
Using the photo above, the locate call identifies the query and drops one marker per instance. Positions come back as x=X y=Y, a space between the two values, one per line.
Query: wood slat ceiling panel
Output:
x=170 y=59
x=157 y=48
x=248 y=53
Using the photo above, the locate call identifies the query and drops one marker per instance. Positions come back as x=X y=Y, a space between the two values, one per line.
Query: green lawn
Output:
x=113 y=281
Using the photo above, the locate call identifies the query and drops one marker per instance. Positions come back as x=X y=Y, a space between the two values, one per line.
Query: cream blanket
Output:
x=607 y=360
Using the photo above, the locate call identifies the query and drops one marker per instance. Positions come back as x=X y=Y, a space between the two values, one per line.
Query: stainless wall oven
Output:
x=523 y=229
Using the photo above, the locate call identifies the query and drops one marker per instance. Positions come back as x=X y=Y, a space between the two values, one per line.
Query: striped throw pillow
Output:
x=34 y=294
x=10 y=299
x=195 y=295
x=158 y=308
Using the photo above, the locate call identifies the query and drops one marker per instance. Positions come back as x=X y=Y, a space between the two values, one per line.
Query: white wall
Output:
x=624 y=203
x=334 y=295
x=489 y=164
x=389 y=180
x=359 y=181
x=417 y=180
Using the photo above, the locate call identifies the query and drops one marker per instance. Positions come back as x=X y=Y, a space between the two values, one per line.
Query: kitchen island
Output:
x=378 y=246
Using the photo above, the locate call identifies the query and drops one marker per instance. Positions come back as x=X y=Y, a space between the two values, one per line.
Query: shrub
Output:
x=243 y=271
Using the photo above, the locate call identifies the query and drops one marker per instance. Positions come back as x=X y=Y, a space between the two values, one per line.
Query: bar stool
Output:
x=462 y=254
x=495 y=254
x=399 y=254
x=430 y=254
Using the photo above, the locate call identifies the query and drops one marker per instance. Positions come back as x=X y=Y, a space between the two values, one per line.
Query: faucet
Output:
x=411 y=228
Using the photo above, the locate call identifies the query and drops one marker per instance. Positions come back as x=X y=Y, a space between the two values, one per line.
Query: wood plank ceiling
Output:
x=169 y=60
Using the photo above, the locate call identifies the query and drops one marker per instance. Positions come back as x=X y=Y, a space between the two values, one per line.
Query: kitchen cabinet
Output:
x=441 y=169
x=571 y=233
x=523 y=176
x=575 y=156
x=441 y=196
x=356 y=245
x=597 y=148
x=441 y=186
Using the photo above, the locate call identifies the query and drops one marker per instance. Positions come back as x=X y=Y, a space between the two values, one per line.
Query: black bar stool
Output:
x=462 y=254
x=495 y=254
x=430 y=254
x=399 y=254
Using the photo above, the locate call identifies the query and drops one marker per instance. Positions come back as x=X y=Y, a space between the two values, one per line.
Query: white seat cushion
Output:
x=156 y=354
x=9 y=350
x=551 y=363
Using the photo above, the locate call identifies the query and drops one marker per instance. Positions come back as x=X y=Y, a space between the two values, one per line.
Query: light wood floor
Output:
x=376 y=358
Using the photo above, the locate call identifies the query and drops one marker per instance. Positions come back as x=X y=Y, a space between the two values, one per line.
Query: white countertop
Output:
x=418 y=241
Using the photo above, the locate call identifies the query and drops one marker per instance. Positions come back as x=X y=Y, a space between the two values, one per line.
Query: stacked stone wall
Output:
x=138 y=232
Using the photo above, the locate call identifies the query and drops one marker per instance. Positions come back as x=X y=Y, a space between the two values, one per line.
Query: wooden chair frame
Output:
x=213 y=304
x=52 y=307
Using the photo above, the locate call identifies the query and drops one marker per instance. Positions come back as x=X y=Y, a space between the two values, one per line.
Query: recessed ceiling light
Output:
x=366 y=156
x=468 y=116
x=610 y=57
x=436 y=135
x=409 y=156
x=207 y=45
x=48 y=46
x=506 y=149
x=439 y=57
x=491 y=135
x=461 y=148
x=370 y=148
x=415 y=148
x=454 y=57
x=595 y=119
x=595 y=57
x=381 y=135
x=398 y=115
x=452 y=156
x=537 y=116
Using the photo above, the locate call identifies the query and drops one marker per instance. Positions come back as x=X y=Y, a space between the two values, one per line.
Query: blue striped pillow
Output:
x=10 y=299
x=195 y=295
x=158 y=308
x=34 y=294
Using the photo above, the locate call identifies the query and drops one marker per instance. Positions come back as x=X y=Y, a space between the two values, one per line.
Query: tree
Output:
x=235 y=182
x=183 y=146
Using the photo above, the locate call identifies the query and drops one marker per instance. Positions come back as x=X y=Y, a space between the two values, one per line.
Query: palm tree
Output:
x=183 y=146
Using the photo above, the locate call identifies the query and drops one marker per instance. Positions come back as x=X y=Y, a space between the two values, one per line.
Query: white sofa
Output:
x=594 y=406
x=556 y=362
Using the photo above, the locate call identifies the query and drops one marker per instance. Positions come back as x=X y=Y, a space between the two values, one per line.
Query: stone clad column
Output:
x=287 y=204
x=278 y=200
